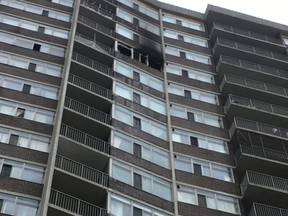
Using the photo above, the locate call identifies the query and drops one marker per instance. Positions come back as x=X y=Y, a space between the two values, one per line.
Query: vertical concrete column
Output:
x=43 y=208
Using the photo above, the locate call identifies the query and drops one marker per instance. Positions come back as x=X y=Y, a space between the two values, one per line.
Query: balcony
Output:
x=85 y=139
x=258 y=127
x=98 y=9
x=265 y=210
x=249 y=53
x=247 y=37
x=265 y=189
x=251 y=70
x=91 y=63
x=96 y=26
x=81 y=170
x=255 y=110
x=90 y=86
x=73 y=205
x=256 y=90
x=261 y=160
x=88 y=111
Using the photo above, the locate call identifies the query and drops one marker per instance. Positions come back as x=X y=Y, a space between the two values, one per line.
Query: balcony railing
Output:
x=85 y=139
x=254 y=66
x=97 y=9
x=96 y=26
x=96 y=45
x=250 y=49
x=92 y=64
x=258 y=127
x=265 y=210
x=93 y=87
x=247 y=33
x=254 y=84
x=82 y=170
x=265 y=180
x=255 y=105
x=75 y=205
x=261 y=152
x=88 y=111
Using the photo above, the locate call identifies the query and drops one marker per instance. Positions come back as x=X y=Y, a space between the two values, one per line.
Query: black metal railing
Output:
x=85 y=139
x=93 y=87
x=81 y=170
x=88 y=111
x=75 y=205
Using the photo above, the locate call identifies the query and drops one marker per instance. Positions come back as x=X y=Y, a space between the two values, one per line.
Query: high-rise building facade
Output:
x=137 y=108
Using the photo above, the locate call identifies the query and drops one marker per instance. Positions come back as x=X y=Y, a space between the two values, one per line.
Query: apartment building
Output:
x=126 y=107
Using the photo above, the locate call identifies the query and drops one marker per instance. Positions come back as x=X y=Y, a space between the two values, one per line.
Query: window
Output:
x=32 y=66
x=136 y=76
x=41 y=29
x=193 y=141
x=202 y=200
x=36 y=47
x=45 y=13
x=136 y=98
x=182 y=54
x=190 y=116
x=137 y=180
x=137 y=150
x=197 y=169
x=184 y=73
x=6 y=170
x=136 y=6
x=26 y=88
x=181 y=37
x=179 y=22
x=13 y=139
x=136 y=21
x=20 y=112
x=187 y=94
x=137 y=211
x=137 y=123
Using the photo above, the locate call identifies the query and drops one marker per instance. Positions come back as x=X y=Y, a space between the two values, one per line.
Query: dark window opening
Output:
x=136 y=76
x=136 y=21
x=13 y=139
x=124 y=50
x=185 y=73
x=32 y=67
x=190 y=116
x=182 y=54
x=136 y=98
x=137 y=211
x=197 y=169
x=45 y=13
x=137 y=123
x=41 y=29
x=1 y=204
x=20 y=112
x=193 y=141
x=181 y=37
x=179 y=22
x=135 y=6
x=6 y=170
x=156 y=64
x=137 y=150
x=187 y=93
x=26 y=88
x=202 y=200
x=36 y=47
x=137 y=180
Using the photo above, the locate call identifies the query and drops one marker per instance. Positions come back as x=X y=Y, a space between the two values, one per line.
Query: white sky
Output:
x=273 y=10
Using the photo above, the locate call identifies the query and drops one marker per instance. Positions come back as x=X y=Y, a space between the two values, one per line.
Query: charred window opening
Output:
x=140 y=56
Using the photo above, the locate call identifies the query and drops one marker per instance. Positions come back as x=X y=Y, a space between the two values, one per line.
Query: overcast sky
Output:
x=273 y=10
